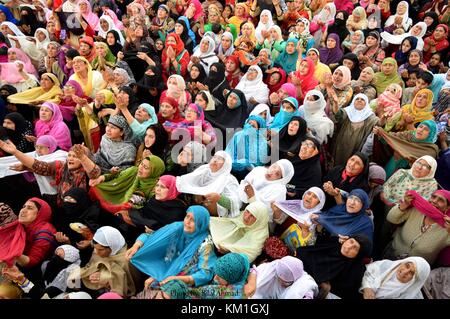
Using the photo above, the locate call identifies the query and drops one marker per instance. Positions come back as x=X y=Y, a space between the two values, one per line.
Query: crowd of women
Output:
x=186 y=149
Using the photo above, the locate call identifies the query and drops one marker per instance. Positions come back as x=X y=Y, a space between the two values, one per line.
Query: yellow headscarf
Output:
x=87 y=88
x=420 y=114
x=37 y=94
x=10 y=291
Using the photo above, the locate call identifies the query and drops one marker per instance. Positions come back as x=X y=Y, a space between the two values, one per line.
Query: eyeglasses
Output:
x=308 y=145
x=354 y=199
x=421 y=165
x=69 y=87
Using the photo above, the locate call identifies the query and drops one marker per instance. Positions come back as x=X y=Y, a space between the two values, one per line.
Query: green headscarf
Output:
x=382 y=81
x=432 y=137
x=110 y=59
x=176 y=289
x=233 y=31
x=118 y=190
x=233 y=268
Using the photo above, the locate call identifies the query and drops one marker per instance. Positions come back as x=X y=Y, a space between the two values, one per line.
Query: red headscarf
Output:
x=89 y=41
x=174 y=103
x=423 y=206
x=12 y=236
x=308 y=81
x=276 y=87
x=170 y=182
x=198 y=9
x=178 y=49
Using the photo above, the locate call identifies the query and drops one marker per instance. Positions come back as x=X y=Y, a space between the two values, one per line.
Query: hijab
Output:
x=288 y=143
x=263 y=27
x=38 y=94
x=22 y=128
x=230 y=50
x=355 y=115
x=256 y=88
x=346 y=77
x=11 y=231
x=420 y=114
x=308 y=81
x=282 y=118
x=275 y=87
x=406 y=21
x=288 y=61
x=55 y=127
x=259 y=109
x=90 y=17
x=330 y=56
x=316 y=118
x=209 y=57
x=382 y=81
x=397 y=39
x=23 y=57
x=402 y=57
x=117 y=46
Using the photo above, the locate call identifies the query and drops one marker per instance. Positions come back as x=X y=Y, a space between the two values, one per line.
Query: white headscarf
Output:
x=261 y=108
x=397 y=39
x=263 y=27
x=110 y=237
x=178 y=93
x=230 y=50
x=316 y=118
x=111 y=27
x=13 y=28
x=323 y=16
x=256 y=89
x=209 y=57
x=356 y=116
x=431 y=161
x=381 y=276
x=268 y=285
x=406 y=22
x=35 y=50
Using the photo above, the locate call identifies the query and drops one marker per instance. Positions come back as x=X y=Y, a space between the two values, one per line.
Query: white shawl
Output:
x=263 y=27
x=261 y=108
x=256 y=89
x=110 y=237
x=111 y=27
x=209 y=57
x=316 y=118
x=406 y=22
x=35 y=50
x=381 y=277
x=397 y=39
x=357 y=116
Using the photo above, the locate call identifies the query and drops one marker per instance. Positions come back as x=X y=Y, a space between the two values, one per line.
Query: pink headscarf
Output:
x=198 y=9
x=90 y=17
x=29 y=68
x=55 y=127
x=116 y=20
x=390 y=101
x=10 y=73
x=110 y=295
x=289 y=268
x=170 y=182
x=346 y=77
x=290 y=89
x=423 y=206
x=48 y=141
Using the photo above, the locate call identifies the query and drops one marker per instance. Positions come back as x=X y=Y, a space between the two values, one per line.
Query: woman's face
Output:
x=288 y=107
x=104 y=25
x=356 y=37
x=166 y=110
x=28 y=213
x=365 y=76
x=12 y=56
x=307 y=150
x=46 y=83
x=310 y=200
x=348 y=63
x=263 y=54
x=216 y=163
x=139 y=32
x=73 y=161
x=144 y=169
x=113 y=132
x=52 y=50
x=406 y=46
x=300 y=27
x=304 y=68
x=421 y=168
x=102 y=251
x=273 y=34
x=141 y=115
x=171 y=40
x=213 y=17
x=2 y=17
x=150 y=138
x=371 y=41
x=414 y=58
x=439 y=33
x=119 y=79
x=160 y=45
x=350 y=248
x=290 y=48
x=356 y=18
x=421 y=100
x=9 y=124
x=85 y=49
x=401 y=9
x=172 y=81
x=338 y=77
x=248 y=218
x=226 y=43
x=331 y=43
x=179 y=28
x=189 y=223
x=388 y=68
x=230 y=66
x=45 y=114
x=40 y=36
x=282 y=93
x=162 y=14
x=293 y=127
x=354 y=166
x=428 y=21
x=51 y=28
x=416 y=30
x=251 y=74
x=405 y=272
x=232 y=101
x=100 y=50
x=68 y=90
x=6 y=30
x=360 y=103
x=274 y=172
x=200 y=101
x=191 y=114
x=247 y=30
x=83 y=7
x=161 y=191
x=265 y=18
x=274 y=78
x=353 y=204
x=239 y=11
x=110 y=39
x=313 y=56
x=41 y=150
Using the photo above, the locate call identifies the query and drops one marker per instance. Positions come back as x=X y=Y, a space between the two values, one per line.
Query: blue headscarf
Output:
x=288 y=61
x=8 y=14
x=282 y=118
x=338 y=221
x=249 y=146
x=188 y=26
x=169 y=249
x=233 y=267
x=432 y=137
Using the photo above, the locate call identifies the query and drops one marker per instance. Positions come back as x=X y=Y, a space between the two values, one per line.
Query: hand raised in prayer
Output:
x=170 y=53
x=96 y=181
x=328 y=80
x=62 y=238
x=248 y=189
x=31 y=138
x=79 y=151
x=329 y=189
x=13 y=273
x=8 y=147
x=149 y=282
x=202 y=87
x=398 y=19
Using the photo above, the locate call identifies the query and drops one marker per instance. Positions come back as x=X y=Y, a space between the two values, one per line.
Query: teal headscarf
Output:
x=282 y=118
x=140 y=128
x=168 y=250
x=176 y=289
x=233 y=268
x=288 y=61
x=432 y=137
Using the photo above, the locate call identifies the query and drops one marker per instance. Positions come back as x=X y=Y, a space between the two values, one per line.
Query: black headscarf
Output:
x=288 y=143
x=148 y=82
x=17 y=136
x=116 y=47
x=308 y=172
x=433 y=15
x=161 y=139
x=54 y=267
x=201 y=77
x=356 y=71
x=217 y=81
x=324 y=262
x=223 y=117
x=339 y=26
x=29 y=19
x=83 y=211
x=188 y=44
x=133 y=102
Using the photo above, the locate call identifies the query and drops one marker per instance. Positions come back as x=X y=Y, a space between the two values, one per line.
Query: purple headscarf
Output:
x=329 y=56
x=289 y=268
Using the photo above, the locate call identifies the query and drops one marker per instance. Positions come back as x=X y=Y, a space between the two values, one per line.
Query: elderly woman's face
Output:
x=353 y=204
x=249 y=218
x=52 y=50
x=226 y=43
x=46 y=83
x=421 y=168
x=360 y=103
x=104 y=25
x=274 y=172
x=252 y=74
x=310 y=200
x=416 y=30
x=387 y=68
x=338 y=76
x=365 y=76
x=216 y=163
x=405 y=272
x=421 y=100
x=350 y=248
x=12 y=56
x=100 y=50
x=85 y=49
